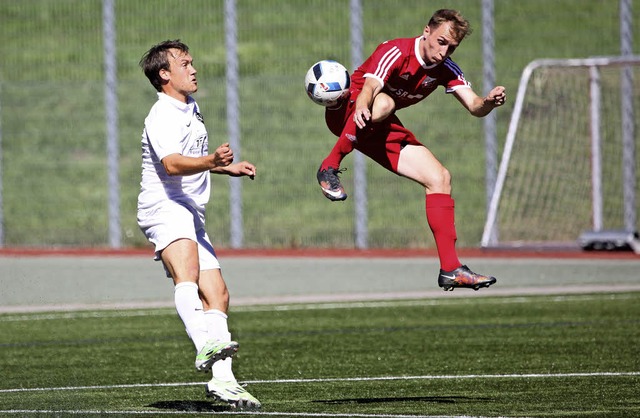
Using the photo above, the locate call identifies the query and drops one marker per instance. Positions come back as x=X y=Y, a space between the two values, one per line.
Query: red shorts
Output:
x=382 y=141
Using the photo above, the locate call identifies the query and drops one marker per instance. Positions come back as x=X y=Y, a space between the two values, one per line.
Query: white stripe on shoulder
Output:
x=386 y=62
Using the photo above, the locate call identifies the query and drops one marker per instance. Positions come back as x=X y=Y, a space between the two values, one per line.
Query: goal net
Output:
x=569 y=160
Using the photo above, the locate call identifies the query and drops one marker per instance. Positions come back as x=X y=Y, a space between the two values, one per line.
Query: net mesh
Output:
x=547 y=194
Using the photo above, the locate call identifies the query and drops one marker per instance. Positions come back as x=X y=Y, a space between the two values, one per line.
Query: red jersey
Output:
x=404 y=75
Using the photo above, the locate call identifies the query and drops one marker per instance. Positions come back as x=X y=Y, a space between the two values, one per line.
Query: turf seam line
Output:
x=344 y=379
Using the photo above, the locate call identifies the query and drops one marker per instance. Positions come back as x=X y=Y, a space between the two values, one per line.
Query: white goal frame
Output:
x=490 y=236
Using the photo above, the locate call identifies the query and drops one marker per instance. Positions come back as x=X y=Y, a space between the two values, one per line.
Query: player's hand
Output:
x=240 y=169
x=361 y=116
x=223 y=156
x=497 y=97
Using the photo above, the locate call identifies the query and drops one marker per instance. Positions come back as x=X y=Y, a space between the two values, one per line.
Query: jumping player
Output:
x=401 y=73
x=175 y=187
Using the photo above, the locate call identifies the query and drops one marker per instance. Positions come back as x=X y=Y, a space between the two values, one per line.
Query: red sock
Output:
x=440 y=216
x=342 y=147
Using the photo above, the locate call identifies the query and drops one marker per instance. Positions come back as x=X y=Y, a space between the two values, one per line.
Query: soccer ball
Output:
x=327 y=82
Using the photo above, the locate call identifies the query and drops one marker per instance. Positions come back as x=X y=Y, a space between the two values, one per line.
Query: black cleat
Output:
x=463 y=277
x=330 y=183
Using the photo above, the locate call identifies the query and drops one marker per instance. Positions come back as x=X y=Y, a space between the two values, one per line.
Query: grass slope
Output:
x=53 y=129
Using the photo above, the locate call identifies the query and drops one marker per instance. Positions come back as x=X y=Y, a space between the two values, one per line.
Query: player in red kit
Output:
x=400 y=73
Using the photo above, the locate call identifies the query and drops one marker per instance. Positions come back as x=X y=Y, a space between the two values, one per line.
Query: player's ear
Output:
x=426 y=31
x=165 y=74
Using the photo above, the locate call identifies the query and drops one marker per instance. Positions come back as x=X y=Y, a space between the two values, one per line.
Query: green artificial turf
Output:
x=507 y=356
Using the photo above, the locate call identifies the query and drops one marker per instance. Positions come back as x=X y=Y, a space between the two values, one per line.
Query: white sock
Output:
x=190 y=310
x=217 y=327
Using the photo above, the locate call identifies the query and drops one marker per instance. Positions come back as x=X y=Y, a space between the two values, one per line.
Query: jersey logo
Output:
x=405 y=76
x=429 y=82
x=200 y=146
x=403 y=94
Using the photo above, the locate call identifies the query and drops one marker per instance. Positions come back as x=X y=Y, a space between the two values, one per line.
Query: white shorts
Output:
x=170 y=221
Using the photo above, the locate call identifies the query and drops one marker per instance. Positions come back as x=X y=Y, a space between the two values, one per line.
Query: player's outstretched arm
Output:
x=243 y=168
x=481 y=106
x=181 y=165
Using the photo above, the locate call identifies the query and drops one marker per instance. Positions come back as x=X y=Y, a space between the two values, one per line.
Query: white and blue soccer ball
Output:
x=327 y=82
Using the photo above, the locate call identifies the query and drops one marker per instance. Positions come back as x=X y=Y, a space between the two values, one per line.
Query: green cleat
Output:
x=231 y=393
x=213 y=351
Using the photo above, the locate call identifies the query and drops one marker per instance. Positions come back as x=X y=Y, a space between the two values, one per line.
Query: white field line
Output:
x=252 y=413
x=344 y=379
x=285 y=414
x=125 y=313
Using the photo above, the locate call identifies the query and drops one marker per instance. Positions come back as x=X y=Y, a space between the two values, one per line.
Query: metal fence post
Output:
x=360 y=169
x=111 y=116
x=490 y=121
x=233 y=120
x=628 y=119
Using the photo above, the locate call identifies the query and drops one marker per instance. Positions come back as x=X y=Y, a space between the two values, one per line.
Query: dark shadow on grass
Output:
x=433 y=399
x=190 y=406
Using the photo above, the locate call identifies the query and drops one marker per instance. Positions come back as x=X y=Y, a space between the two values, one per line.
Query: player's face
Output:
x=438 y=43
x=181 y=75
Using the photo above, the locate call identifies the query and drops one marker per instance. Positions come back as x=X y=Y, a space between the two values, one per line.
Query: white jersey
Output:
x=173 y=127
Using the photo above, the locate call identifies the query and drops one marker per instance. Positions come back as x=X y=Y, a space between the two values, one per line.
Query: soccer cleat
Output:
x=330 y=183
x=231 y=393
x=463 y=277
x=213 y=351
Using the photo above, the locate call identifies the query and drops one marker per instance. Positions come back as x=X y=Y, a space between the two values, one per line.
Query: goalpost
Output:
x=568 y=170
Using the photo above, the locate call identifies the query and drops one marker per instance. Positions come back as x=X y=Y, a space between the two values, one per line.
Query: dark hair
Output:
x=460 y=26
x=155 y=59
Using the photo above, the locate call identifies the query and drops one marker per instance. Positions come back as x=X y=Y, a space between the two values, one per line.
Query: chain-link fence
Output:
x=53 y=128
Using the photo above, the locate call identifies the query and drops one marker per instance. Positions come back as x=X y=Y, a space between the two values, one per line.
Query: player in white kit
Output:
x=175 y=188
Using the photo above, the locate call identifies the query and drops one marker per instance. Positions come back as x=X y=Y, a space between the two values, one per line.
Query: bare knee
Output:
x=383 y=106
x=438 y=181
x=420 y=165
